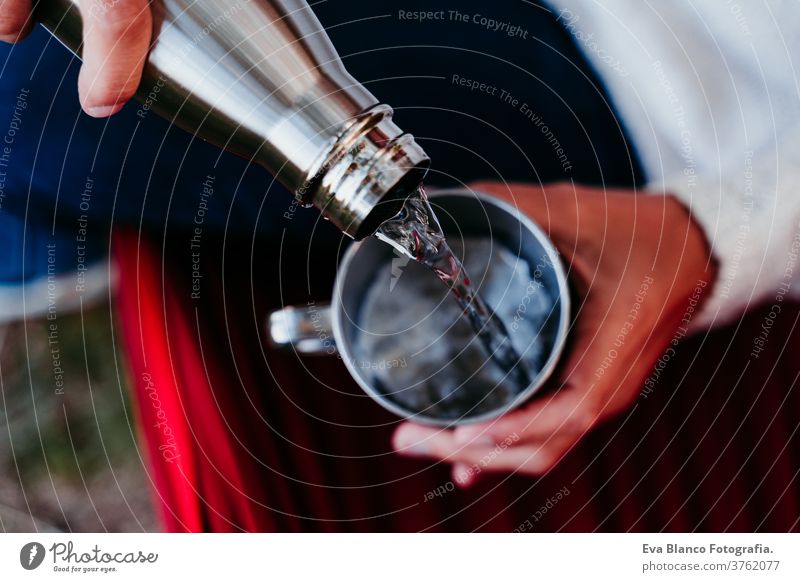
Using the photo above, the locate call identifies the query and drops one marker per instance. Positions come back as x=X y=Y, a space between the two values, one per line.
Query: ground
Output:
x=69 y=459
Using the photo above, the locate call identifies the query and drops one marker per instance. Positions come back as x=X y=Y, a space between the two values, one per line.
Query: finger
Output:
x=568 y=412
x=116 y=38
x=534 y=459
x=15 y=19
x=518 y=195
x=465 y=475
x=554 y=207
x=414 y=440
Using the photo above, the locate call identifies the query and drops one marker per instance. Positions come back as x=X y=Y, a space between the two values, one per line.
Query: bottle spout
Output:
x=367 y=175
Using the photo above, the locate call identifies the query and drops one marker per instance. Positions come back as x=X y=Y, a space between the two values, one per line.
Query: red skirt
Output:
x=240 y=437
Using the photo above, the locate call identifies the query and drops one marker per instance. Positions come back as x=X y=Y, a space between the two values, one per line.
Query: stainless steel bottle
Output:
x=261 y=78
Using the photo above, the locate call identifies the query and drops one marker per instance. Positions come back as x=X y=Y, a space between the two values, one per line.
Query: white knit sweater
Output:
x=709 y=91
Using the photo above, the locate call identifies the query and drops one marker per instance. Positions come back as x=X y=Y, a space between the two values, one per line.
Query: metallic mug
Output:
x=333 y=329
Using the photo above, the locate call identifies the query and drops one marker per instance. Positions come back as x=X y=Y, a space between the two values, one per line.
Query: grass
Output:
x=68 y=458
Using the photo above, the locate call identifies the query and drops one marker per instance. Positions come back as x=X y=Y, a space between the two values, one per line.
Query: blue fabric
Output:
x=27 y=252
x=142 y=171
x=146 y=173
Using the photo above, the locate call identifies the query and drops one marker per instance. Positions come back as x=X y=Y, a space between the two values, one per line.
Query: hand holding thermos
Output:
x=116 y=38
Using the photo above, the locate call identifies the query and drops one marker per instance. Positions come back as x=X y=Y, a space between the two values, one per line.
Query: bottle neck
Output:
x=367 y=174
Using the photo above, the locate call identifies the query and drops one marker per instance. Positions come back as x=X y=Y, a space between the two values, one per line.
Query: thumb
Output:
x=15 y=19
x=116 y=38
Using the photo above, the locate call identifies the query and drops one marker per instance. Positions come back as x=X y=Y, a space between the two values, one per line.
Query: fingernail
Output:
x=407 y=444
x=414 y=449
x=103 y=110
x=461 y=475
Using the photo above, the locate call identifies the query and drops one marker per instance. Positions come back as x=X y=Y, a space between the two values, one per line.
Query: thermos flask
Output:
x=260 y=78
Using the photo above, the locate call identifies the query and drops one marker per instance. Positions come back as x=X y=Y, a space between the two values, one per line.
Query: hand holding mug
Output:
x=624 y=252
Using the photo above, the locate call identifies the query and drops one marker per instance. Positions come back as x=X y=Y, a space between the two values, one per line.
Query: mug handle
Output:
x=307 y=330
